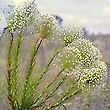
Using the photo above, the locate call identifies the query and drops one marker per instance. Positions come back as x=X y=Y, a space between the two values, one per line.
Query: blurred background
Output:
x=94 y=18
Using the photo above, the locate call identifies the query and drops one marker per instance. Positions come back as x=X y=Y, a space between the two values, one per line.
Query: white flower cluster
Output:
x=23 y=17
x=90 y=54
x=82 y=60
x=69 y=57
x=69 y=35
x=47 y=26
x=91 y=77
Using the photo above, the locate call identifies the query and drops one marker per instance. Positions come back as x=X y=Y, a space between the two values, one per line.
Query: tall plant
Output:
x=78 y=63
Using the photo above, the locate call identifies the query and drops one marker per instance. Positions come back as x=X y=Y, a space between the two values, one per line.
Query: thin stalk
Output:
x=34 y=52
x=9 y=71
x=47 y=67
x=61 y=100
x=36 y=83
x=55 y=79
x=51 y=94
x=64 y=97
x=15 y=76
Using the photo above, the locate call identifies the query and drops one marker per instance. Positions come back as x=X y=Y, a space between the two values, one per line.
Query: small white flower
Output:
x=22 y=17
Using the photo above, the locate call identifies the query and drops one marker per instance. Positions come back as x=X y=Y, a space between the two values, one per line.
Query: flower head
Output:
x=69 y=58
x=91 y=70
x=22 y=16
x=84 y=61
x=69 y=35
x=90 y=54
x=47 y=26
x=92 y=78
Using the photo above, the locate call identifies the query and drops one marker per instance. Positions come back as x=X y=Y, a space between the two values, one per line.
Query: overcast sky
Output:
x=92 y=14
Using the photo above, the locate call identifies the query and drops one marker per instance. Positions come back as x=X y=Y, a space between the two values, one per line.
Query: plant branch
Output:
x=64 y=97
x=51 y=94
x=47 y=67
x=61 y=100
x=35 y=101
x=15 y=66
x=30 y=67
x=9 y=71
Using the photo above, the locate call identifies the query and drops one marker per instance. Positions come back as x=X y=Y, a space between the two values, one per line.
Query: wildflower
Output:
x=90 y=54
x=47 y=26
x=69 y=57
x=92 y=78
x=82 y=60
x=68 y=35
x=91 y=69
x=22 y=17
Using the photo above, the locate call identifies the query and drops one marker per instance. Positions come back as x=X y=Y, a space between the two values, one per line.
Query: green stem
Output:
x=61 y=100
x=15 y=76
x=51 y=94
x=34 y=52
x=64 y=97
x=9 y=70
x=37 y=82
x=47 y=67
x=47 y=87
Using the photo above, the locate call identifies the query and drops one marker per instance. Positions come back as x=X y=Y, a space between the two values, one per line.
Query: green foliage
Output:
x=75 y=60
